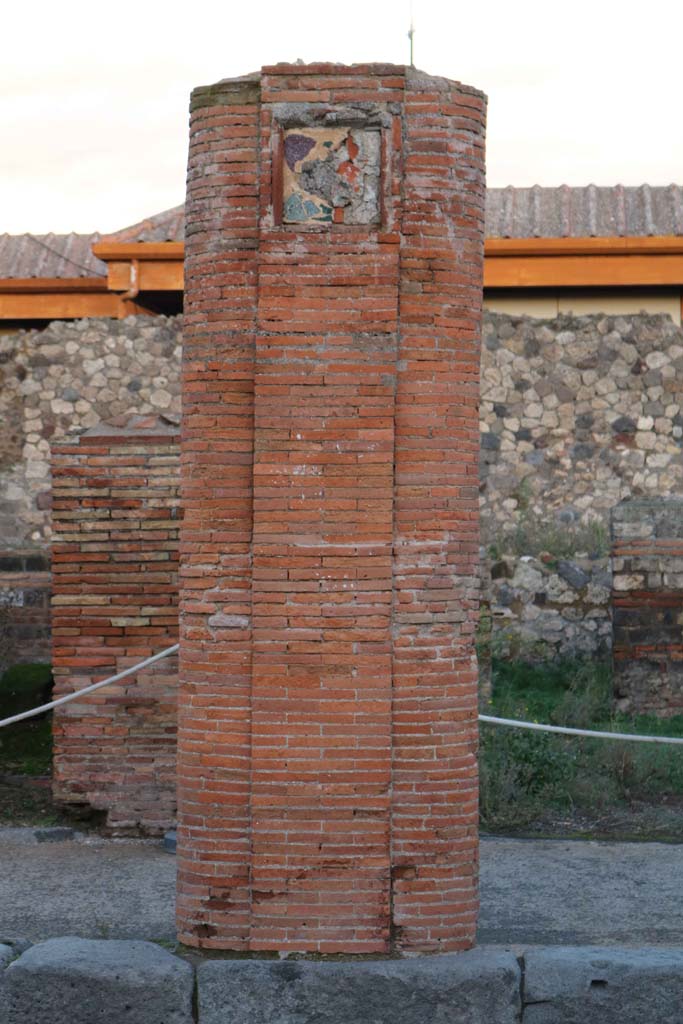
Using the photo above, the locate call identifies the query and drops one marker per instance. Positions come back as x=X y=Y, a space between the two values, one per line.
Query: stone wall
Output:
x=542 y=607
x=577 y=413
x=67 y=379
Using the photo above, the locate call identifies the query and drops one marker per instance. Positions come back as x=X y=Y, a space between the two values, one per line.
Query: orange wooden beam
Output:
x=152 y=275
x=583 y=262
x=53 y=284
x=107 y=251
x=589 y=270
x=588 y=262
x=655 y=245
x=509 y=263
x=60 y=298
x=159 y=265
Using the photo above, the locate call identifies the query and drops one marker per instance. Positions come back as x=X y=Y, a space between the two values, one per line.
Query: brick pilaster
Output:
x=328 y=582
x=114 y=603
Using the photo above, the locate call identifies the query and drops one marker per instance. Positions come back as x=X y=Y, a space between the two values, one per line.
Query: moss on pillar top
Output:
x=228 y=92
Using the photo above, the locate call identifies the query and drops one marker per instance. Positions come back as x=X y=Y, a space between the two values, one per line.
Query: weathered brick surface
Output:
x=436 y=524
x=327 y=732
x=647 y=605
x=115 y=592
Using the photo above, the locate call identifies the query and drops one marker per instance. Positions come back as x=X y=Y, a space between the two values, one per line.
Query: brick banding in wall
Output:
x=327 y=774
x=647 y=605
x=116 y=515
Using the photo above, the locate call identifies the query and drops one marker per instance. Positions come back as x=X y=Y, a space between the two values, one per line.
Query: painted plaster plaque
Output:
x=331 y=175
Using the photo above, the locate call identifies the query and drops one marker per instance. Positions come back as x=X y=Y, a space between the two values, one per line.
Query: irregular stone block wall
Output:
x=577 y=413
x=647 y=598
x=116 y=513
x=541 y=608
x=69 y=377
x=66 y=379
x=330 y=438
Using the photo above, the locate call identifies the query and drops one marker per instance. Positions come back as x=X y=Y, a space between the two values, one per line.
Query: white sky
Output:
x=94 y=96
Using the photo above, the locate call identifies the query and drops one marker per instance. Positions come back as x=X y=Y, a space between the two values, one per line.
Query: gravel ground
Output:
x=533 y=891
x=560 y=892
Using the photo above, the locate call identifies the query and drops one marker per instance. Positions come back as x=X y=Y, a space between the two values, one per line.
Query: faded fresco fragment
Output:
x=331 y=175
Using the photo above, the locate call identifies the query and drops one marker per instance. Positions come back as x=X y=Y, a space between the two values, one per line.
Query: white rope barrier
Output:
x=89 y=689
x=509 y=722
x=566 y=731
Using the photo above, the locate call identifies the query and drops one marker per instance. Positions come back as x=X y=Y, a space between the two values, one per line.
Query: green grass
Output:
x=25 y=748
x=526 y=775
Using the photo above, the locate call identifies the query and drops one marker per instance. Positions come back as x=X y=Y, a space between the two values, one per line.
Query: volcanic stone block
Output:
x=6 y=954
x=87 y=980
x=479 y=987
x=597 y=985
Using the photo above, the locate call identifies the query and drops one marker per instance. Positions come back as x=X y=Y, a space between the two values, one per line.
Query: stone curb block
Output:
x=78 y=981
x=598 y=985
x=109 y=981
x=478 y=987
x=6 y=954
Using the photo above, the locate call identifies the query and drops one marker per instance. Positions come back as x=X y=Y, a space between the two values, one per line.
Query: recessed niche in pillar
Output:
x=331 y=175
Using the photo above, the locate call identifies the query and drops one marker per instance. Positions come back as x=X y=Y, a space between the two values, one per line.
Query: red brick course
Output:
x=647 y=606
x=115 y=594
x=327 y=736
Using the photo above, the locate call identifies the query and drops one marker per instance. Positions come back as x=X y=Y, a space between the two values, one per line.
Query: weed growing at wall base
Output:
x=536 y=535
x=25 y=748
x=531 y=779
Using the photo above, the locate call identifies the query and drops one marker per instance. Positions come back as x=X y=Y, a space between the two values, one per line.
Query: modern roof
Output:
x=586 y=212
x=51 y=256
x=168 y=226
x=589 y=211
x=564 y=212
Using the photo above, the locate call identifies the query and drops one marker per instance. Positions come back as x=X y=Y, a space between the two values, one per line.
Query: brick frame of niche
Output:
x=327 y=776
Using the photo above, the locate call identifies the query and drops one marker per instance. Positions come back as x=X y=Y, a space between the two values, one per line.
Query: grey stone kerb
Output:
x=83 y=981
x=478 y=987
x=80 y=981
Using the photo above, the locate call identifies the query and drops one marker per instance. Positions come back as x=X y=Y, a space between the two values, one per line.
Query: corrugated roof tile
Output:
x=586 y=211
x=168 y=226
x=49 y=256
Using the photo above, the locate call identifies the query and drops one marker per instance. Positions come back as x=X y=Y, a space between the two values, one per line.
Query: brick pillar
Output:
x=114 y=603
x=327 y=732
x=647 y=606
